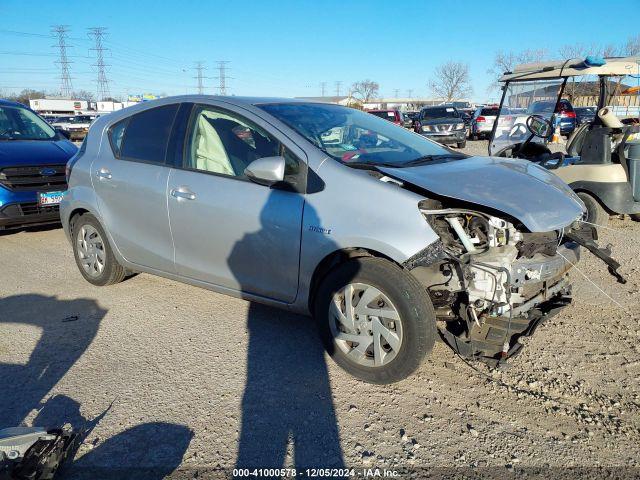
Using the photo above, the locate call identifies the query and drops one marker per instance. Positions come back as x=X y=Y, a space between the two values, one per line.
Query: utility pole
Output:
x=200 y=77
x=338 y=85
x=222 y=76
x=98 y=34
x=323 y=87
x=65 y=78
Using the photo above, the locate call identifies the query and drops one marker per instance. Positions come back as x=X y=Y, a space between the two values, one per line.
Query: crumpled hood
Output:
x=519 y=188
x=35 y=152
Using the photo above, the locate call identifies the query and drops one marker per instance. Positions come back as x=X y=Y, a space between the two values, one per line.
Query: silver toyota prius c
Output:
x=388 y=239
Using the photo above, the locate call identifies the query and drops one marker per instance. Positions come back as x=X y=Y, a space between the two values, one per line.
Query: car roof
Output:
x=10 y=103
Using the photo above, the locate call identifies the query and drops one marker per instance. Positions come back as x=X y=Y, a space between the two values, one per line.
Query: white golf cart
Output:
x=602 y=158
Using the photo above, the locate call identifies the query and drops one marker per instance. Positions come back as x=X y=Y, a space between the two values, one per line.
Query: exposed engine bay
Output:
x=492 y=282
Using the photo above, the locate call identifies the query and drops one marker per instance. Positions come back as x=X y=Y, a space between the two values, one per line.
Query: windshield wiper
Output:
x=431 y=158
x=370 y=165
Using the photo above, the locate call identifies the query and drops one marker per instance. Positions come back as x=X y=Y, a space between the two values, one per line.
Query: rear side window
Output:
x=146 y=135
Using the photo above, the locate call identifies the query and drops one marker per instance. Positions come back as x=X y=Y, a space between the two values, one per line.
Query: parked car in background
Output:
x=585 y=114
x=393 y=115
x=365 y=231
x=410 y=117
x=33 y=156
x=482 y=121
x=564 y=113
x=76 y=125
x=442 y=124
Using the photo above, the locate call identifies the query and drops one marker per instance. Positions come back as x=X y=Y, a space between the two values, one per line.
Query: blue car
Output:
x=33 y=157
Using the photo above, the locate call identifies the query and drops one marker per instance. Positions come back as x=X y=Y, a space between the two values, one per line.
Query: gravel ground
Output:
x=168 y=376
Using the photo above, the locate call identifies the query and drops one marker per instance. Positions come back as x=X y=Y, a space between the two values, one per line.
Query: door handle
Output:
x=183 y=192
x=104 y=173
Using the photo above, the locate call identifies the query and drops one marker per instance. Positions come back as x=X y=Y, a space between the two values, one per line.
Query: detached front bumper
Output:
x=447 y=138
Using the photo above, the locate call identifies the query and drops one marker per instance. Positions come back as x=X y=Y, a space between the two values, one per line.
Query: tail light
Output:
x=481 y=119
x=568 y=114
x=73 y=160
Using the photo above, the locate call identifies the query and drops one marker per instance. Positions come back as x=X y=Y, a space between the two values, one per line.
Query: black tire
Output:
x=595 y=212
x=411 y=301
x=462 y=144
x=635 y=217
x=112 y=272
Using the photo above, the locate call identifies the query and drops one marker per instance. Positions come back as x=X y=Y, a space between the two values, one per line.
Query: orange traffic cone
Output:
x=556 y=135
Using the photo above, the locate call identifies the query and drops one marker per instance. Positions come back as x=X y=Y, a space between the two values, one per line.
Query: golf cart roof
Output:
x=574 y=67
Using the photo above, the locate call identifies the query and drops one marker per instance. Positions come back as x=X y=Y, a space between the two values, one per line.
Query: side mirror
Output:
x=266 y=170
x=63 y=133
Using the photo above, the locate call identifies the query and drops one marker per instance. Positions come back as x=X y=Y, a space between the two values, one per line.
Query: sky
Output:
x=288 y=47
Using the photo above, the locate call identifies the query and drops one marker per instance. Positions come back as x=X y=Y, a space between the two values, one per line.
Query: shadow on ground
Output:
x=67 y=328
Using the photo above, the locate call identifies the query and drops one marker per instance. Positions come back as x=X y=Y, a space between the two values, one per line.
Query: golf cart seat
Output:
x=574 y=144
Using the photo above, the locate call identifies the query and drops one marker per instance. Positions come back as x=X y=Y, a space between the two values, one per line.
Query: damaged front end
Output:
x=491 y=281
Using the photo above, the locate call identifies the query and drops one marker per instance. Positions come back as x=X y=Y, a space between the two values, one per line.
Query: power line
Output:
x=338 y=85
x=222 y=76
x=98 y=34
x=200 y=77
x=65 y=78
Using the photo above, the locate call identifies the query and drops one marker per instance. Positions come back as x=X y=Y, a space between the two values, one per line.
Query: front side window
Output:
x=147 y=133
x=223 y=143
x=17 y=123
x=354 y=137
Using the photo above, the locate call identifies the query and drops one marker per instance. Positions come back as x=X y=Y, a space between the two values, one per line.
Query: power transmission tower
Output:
x=98 y=34
x=222 y=76
x=323 y=88
x=409 y=93
x=65 y=78
x=338 y=85
x=396 y=92
x=200 y=77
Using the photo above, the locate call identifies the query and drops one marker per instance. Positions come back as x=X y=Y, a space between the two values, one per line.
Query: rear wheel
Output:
x=93 y=253
x=595 y=212
x=635 y=217
x=375 y=320
x=462 y=144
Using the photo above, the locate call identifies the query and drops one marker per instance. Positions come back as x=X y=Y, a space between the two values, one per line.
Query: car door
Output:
x=227 y=230
x=130 y=180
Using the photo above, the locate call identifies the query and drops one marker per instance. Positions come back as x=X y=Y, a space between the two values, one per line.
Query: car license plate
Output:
x=49 y=198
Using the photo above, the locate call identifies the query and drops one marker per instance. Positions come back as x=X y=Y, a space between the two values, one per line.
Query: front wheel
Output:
x=376 y=321
x=635 y=217
x=462 y=144
x=596 y=214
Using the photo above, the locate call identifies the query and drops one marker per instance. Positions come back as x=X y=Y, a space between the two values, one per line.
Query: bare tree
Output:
x=632 y=47
x=84 y=95
x=451 y=81
x=365 y=90
x=506 y=61
x=27 y=94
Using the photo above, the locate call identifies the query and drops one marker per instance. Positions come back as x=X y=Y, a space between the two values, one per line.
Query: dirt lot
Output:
x=171 y=376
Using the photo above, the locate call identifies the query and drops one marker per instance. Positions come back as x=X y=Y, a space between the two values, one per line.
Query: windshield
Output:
x=441 y=112
x=520 y=100
x=17 y=123
x=355 y=137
